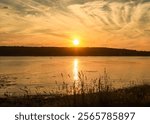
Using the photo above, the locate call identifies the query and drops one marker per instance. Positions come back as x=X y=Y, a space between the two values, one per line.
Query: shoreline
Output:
x=136 y=96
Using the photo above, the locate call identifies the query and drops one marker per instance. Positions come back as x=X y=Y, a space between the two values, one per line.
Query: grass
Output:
x=98 y=93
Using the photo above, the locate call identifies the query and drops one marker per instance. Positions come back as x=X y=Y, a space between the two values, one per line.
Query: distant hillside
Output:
x=68 y=51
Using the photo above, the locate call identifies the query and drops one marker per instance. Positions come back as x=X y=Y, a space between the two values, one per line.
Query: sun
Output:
x=76 y=42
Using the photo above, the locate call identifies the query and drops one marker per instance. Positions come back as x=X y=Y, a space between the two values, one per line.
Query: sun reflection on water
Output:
x=75 y=69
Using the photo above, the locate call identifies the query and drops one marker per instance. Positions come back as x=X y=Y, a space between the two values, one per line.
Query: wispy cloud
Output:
x=110 y=23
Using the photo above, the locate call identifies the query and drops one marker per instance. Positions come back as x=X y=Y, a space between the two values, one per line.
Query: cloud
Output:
x=114 y=23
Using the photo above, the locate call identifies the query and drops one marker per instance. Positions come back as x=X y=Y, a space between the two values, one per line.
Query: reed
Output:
x=99 y=92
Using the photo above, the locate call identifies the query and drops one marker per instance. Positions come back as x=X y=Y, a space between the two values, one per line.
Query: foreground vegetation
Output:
x=97 y=94
x=133 y=96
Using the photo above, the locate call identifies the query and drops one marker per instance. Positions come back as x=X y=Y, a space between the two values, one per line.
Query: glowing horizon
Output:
x=97 y=23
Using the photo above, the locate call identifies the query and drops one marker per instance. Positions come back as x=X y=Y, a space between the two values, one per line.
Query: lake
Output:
x=48 y=73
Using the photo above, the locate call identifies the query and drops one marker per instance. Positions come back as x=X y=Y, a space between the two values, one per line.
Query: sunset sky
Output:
x=96 y=23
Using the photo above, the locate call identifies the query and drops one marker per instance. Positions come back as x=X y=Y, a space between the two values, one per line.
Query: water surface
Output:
x=50 y=72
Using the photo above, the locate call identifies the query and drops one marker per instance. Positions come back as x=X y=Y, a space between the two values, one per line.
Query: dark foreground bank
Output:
x=137 y=96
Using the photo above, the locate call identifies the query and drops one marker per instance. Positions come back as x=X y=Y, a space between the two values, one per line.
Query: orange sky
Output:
x=96 y=23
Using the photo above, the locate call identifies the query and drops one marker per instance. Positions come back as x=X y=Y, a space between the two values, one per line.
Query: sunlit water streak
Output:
x=75 y=69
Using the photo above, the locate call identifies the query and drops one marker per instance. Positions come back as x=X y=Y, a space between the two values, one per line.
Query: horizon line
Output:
x=78 y=47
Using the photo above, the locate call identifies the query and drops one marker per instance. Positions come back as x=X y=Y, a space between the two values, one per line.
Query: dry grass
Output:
x=97 y=93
